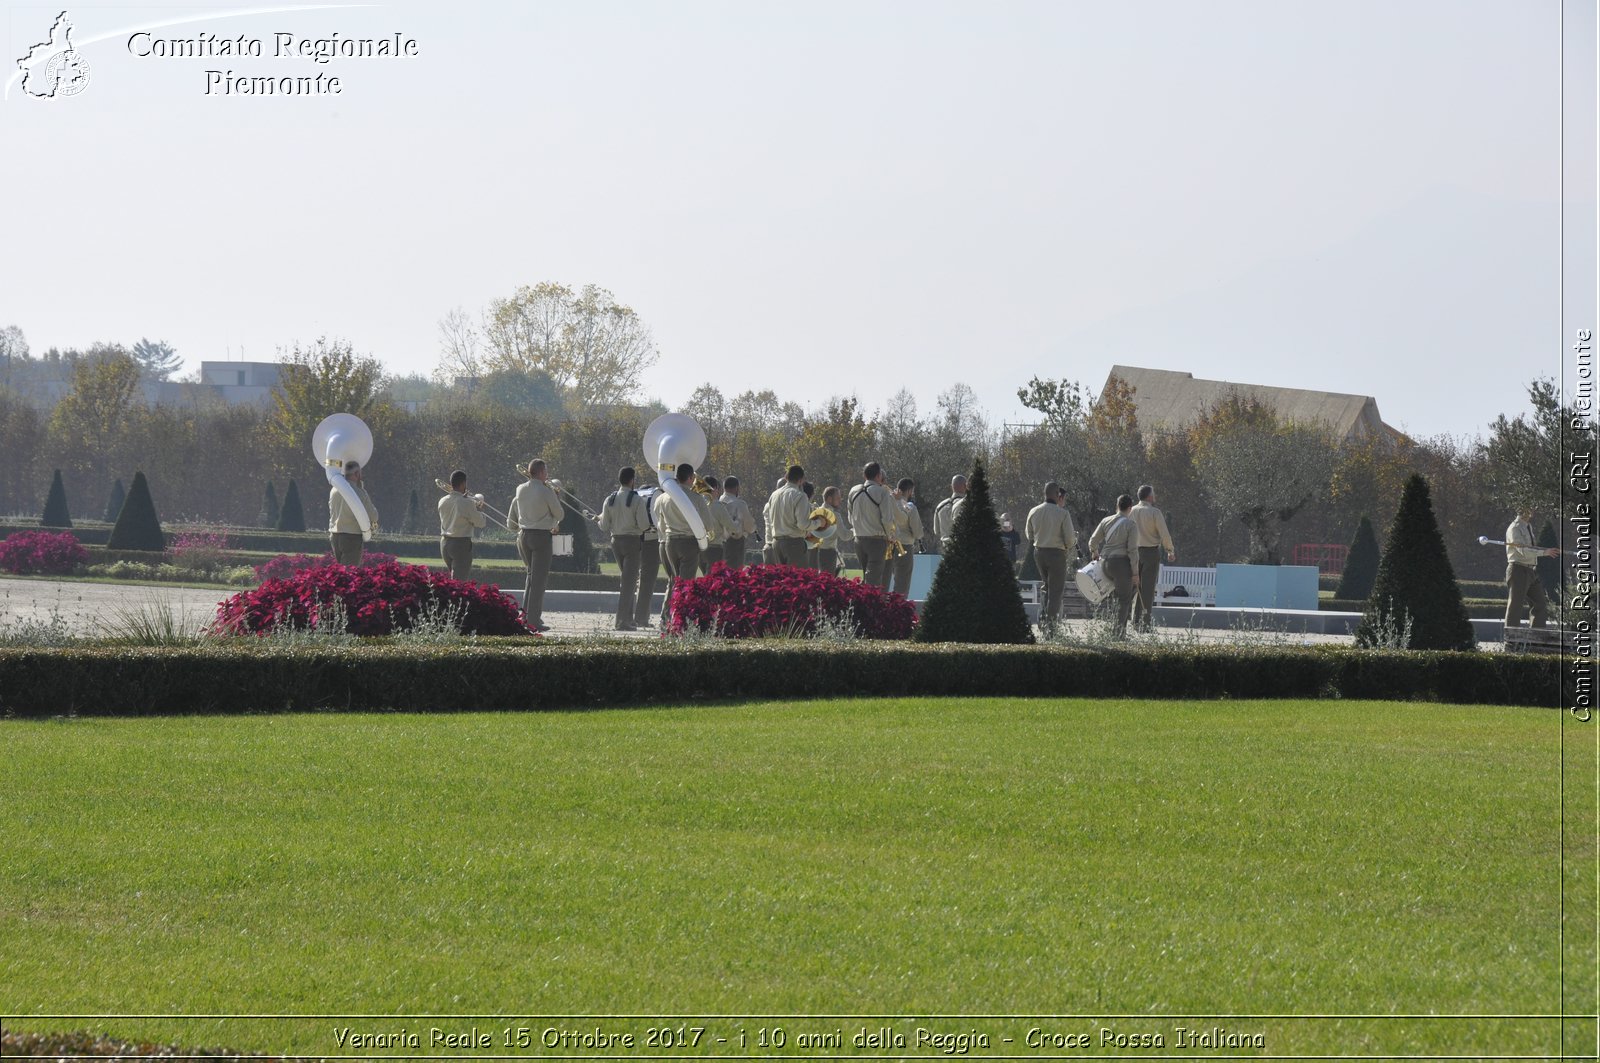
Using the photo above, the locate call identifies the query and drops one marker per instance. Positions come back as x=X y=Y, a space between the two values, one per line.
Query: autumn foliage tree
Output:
x=324 y=378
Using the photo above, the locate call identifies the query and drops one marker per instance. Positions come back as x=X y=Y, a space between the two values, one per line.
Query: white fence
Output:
x=1186 y=586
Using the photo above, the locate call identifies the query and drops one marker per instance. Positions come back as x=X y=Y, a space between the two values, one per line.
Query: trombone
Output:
x=440 y=483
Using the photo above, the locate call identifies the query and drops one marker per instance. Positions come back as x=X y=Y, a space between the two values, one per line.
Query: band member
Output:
x=1523 y=588
x=907 y=532
x=828 y=556
x=769 y=547
x=1114 y=544
x=459 y=514
x=1055 y=543
x=872 y=510
x=344 y=531
x=718 y=528
x=626 y=518
x=945 y=513
x=791 y=519
x=1153 y=538
x=535 y=514
x=683 y=547
x=740 y=520
x=649 y=567
x=844 y=539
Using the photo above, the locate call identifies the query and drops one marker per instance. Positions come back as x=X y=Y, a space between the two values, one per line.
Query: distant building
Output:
x=1172 y=401
x=240 y=383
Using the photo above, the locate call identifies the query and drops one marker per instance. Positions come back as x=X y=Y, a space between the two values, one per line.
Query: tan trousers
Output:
x=628 y=549
x=457 y=553
x=649 y=569
x=347 y=547
x=713 y=553
x=1149 y=570
x=900 y=572
x=1052 y=562
x=874 y=568
x=1120 y=570
x=1524 y=590
x=733 y=553
x=536 y=548
x=683 y=562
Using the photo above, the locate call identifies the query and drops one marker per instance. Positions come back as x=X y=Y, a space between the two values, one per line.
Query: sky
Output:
x=834 y=198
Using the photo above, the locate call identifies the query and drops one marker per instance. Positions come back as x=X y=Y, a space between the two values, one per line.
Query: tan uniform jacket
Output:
x=739 y=516
x=791 y=513
x=720 y=526
x=872 y=511
x=670 y=519
x=945 y=514
x=624 y=513
x=907 y=524
x=1049 y=526
x=340 y=519
x=458 y=515
x=843 y=533
x=1115 y=537
x=1519 y=545
x=1152 y=526
x=535 y=505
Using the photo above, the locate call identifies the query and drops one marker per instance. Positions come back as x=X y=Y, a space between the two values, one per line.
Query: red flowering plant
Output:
x=283 y=566
x=782 y=600
x=374 y=600
x=48 y=553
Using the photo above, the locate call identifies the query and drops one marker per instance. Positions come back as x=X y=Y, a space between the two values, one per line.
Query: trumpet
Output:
x=704 y=488
x=442 y=485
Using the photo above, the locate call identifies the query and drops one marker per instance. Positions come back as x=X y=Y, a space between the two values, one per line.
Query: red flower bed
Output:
x=782 y=600
x=377 y=600
x=283 y=566
x=50 y=553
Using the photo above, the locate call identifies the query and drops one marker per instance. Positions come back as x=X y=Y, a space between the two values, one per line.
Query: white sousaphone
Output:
x=672 y=440
x=343 y=437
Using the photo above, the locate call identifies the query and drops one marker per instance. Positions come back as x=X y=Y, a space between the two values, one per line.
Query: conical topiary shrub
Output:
x=1030 y=567
x=1416 y=583
x=413 y=525
x=119 y=494
x=974 y=596
x=1361 y=566
x=55 y=505
x=1550 y=567
x=138 y=527
x=573 y=524
x=268 y=517
x=292 y=518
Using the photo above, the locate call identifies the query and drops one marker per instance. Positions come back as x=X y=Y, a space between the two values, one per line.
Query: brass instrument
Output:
x=704 y=488
x=582 y=509
x=444 y=485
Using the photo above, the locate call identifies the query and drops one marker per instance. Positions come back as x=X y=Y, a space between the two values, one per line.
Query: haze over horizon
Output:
x=835 y=198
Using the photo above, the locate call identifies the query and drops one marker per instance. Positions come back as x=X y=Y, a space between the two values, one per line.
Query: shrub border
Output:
x=510 y=674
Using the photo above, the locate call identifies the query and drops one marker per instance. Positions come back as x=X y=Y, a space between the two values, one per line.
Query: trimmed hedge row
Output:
x=538 y=674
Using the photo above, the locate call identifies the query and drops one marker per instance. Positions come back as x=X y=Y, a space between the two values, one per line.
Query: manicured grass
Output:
x=1051 y=856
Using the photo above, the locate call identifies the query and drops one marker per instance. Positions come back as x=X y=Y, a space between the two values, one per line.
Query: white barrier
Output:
x=1200 y=585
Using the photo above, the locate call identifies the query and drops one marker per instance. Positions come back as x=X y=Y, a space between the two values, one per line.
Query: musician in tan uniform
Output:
x=740 y=520
x=828 y=555
x=1153 y=539
x=649 y=564
x=872 y=508
x=1523 y=588
x=791 y=519
x=908 y=533
x=459 y=515
x=946 y=512
x=1055 y=543
x=626 y=518
x=769 y=545
x=535 y=514
x=718 y=528
x=344 y=530
x=1115 y=545
x=683 y=546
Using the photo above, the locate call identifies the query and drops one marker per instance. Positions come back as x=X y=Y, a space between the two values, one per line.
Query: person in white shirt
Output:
x=683 y=546
x=1055 y=544
x=1523 y=588
x=946 y=512
x=741 y=521
x=344 y=529
x=791 y=520
x=535 y=514
x=459 y=515
x=872 y=517
x=626 y=518
x=908 y=532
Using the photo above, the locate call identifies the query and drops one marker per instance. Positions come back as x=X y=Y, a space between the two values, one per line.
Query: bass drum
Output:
x=1092 y=583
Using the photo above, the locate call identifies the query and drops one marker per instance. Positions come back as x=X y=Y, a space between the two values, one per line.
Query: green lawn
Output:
x=968 y=856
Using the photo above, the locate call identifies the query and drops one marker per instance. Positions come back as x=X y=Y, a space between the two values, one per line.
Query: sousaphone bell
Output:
x=341 y=438
x=674 y=439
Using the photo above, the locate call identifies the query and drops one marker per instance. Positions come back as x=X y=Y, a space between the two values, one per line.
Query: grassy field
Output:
x=963 y=856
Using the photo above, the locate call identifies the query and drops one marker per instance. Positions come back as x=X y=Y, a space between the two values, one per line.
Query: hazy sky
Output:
x=832 y=198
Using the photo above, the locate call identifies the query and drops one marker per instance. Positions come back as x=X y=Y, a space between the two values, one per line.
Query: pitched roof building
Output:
x=1171 y=401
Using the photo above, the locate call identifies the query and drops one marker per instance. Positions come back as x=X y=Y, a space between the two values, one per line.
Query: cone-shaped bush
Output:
x=974 y=596
x=573 y=524
x=413 y=524
x=1030 y=567
x=292 y=518
x=1550 y=567
x=1361 y=566
x=1415 y=581
x=270 y=510
x=55 y=505
x=119 y=495
x=138 y=527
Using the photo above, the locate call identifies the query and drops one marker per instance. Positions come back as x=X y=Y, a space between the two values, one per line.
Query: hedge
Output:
x=529 y=674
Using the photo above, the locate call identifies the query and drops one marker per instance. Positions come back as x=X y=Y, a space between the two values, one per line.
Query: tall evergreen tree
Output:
x=270 y=510
x=413 y=525
x=974 y=596
x=55 y=505
x=1030 y=567
x=138 y=527
x=1361 y=566
x=574 y=524
x=292 y=518
x=119 y=494
x=1550 y=567
x=1415 y=581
